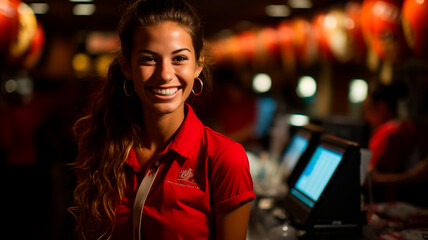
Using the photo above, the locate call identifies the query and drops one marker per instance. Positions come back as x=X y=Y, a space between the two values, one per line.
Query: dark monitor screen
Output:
x=316 y=174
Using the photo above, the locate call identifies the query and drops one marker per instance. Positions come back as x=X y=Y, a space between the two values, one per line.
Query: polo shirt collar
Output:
x=184 y=143
x=189 y=136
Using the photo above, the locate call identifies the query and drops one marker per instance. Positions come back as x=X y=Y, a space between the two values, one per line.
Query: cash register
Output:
x=324 y=196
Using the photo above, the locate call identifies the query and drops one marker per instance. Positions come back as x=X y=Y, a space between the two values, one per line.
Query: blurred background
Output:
x=279 y=63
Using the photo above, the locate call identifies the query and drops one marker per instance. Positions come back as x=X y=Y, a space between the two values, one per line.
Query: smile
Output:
x=165 y=91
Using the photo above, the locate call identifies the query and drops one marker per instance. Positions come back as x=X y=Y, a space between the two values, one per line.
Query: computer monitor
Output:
x=325 y=195
x=317 y=174
x=301 y=143
x=294 y=151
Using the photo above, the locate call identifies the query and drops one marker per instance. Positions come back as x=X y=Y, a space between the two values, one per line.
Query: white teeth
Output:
x=165 y=91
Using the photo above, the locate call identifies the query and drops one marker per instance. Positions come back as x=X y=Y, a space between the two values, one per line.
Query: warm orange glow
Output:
x=415 y=26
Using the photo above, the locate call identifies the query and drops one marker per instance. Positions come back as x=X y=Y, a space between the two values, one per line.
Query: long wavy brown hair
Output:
x=112 y=125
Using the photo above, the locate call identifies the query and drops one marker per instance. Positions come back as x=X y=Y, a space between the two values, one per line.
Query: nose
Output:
x=166 y=71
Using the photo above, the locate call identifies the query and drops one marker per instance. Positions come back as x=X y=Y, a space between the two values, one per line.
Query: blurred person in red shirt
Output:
x=393 y=139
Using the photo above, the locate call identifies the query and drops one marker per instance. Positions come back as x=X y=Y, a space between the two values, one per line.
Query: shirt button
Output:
x=157 y=163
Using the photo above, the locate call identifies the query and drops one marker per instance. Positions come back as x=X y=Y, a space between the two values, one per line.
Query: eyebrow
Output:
x=154 y=53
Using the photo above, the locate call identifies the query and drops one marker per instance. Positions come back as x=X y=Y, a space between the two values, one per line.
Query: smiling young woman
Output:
x=163 y=67
x=147 y=167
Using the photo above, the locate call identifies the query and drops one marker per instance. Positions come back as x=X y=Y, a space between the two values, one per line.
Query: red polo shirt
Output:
x=201 y=173
x=392 y=145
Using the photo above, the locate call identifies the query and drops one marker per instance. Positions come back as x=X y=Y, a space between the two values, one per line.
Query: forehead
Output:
x=165 y=35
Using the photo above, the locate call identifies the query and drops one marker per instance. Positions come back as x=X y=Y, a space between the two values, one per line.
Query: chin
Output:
x=168 y=108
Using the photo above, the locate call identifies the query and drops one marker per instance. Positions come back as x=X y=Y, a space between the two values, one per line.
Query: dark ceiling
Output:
x=217 y=14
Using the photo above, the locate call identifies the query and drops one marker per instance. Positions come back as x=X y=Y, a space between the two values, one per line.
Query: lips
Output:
x=164 y=91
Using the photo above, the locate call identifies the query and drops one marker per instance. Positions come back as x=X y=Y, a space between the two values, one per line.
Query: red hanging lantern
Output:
x=26 y=31
x=415 y=26
x=304 y=41
x=354 y=28
x=36 y=48
x=267 y=46
x=366 y=20
x=217 y=51
x=285 y=43
x=247 y=44
x=339 y=39
x=231 y=50
x=381 y=22
x=9 y=23
x=321 y=34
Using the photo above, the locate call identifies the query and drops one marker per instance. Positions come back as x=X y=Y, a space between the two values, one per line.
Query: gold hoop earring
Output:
x=126 y=91
x=202 y=87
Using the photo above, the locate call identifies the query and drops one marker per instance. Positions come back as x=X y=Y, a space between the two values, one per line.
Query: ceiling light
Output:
x=10 y=86
x=39 y=8
x=306 y=87
x=300 y=3
x=262 y=83
x=84 y=9
x=23 y=85
x=358 y=90
x=298 y=119
x=277 y=10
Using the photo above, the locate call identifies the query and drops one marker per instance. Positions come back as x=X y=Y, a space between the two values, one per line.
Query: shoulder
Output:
x=396 y=127
x=388 y=128
x=224 y=152
x=220 y=143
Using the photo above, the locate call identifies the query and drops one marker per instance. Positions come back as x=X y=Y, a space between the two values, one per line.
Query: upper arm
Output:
x=232 y=225
x=231 y=182
x=231 y=187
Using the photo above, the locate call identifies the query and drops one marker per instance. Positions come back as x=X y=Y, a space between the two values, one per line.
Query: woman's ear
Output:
x=200 y=66
x=125 y=66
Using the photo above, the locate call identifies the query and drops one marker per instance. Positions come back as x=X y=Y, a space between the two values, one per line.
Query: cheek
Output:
x=187 y=75
x=188 y=70
x=139 y=77
x=142 y=74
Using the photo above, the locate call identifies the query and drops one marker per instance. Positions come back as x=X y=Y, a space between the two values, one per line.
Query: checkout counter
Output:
x=314 y=191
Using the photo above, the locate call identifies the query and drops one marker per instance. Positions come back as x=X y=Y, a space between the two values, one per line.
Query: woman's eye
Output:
x=180 y=58
x=147 y=59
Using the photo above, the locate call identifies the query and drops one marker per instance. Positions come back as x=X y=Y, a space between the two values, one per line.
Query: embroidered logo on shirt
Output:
x=187 y=178
x=188 y=175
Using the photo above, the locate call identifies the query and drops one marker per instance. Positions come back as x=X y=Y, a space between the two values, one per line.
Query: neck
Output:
x=159 y=129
